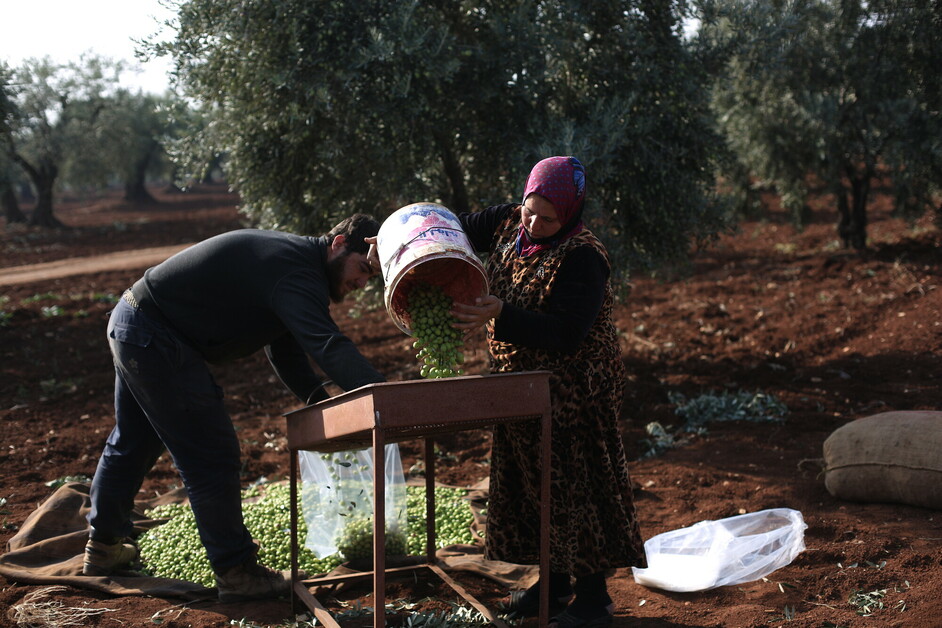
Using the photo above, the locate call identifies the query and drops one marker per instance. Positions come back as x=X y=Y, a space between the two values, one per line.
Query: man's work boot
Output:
x=251 y=581
x=104 y=559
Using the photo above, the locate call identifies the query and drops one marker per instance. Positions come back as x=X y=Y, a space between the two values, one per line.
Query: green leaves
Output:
x=328 y=108
x=726 y=406
x=58 y=482
x=709 y=408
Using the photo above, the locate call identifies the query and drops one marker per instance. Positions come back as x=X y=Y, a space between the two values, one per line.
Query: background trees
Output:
x=321 y=109
x=71 y=124
x=836 y=92
x=332 y=107
x=129 y=141
x=55 y=106
x=8 y=199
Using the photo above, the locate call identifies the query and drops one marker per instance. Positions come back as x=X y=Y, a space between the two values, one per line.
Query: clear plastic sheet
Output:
x=338 y=487
x=727 y=551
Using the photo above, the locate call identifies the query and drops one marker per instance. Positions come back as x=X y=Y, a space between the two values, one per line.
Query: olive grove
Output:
x=832 y=93
x=72 y=125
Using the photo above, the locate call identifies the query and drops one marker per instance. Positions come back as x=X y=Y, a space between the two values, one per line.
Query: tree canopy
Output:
x=129 y=143
x=328 y=108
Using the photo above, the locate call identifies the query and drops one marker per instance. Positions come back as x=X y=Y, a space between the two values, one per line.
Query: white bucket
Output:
x=424 y=243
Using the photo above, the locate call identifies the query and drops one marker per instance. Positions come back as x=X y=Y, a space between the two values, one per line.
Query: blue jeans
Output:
x=165 y=397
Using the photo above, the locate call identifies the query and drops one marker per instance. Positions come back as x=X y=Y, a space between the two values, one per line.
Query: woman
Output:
x=551 y=309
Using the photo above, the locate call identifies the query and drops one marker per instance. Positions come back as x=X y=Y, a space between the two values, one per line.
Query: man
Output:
x=224 y=298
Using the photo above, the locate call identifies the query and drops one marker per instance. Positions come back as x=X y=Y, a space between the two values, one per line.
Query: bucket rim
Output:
x=404 y=272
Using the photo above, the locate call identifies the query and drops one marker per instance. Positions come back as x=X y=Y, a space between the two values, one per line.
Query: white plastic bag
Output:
x=728 y=551
x=337 y=488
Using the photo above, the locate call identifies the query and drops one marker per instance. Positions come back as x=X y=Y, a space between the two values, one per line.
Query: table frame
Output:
x=392 y=412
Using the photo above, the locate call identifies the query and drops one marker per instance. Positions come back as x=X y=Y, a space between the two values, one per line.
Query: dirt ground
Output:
x=834 y=335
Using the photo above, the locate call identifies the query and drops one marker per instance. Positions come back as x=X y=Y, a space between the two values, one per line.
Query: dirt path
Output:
x=122 y=260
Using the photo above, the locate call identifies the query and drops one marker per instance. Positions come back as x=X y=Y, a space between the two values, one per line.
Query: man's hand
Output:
x=373 y=255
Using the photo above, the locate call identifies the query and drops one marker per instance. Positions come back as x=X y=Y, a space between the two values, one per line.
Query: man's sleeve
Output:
x=293 y=368
x=305 y=311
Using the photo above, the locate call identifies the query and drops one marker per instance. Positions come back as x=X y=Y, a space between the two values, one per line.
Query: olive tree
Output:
x=836 y=91
x=331 y=107
x=8 y=202
x=71 y=125
x=55 y=107
x=128 y=142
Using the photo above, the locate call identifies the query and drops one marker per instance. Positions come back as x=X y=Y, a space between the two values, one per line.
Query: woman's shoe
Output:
x=571 y=617
x=526 y=603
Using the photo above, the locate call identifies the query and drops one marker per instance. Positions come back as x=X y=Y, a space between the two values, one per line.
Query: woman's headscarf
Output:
x=561 y=181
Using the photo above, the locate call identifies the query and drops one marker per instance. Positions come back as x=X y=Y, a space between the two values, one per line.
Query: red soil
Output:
x=832 y=334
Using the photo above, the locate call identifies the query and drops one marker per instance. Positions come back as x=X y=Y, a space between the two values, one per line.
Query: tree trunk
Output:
x=860 y=193
x=11 y=208
x=843 y=210
x=136 y=192
x=214 y=164
x=853 y=213
x=172 y=187
x=42 y=213
x=44 y=180
x=459 y=193
x=135 y=189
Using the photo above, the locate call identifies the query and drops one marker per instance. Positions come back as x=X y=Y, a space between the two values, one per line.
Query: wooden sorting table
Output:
x=390 y=412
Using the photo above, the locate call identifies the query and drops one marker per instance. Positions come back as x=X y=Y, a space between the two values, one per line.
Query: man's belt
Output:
x=136 y=296
x=129 y=297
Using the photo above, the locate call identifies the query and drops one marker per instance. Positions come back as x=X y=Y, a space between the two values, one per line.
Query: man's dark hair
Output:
x=354 y=229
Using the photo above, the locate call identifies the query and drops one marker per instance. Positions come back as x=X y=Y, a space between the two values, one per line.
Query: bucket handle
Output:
x=403 y=246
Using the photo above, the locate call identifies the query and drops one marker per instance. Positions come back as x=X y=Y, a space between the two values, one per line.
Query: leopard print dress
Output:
x=593 y=523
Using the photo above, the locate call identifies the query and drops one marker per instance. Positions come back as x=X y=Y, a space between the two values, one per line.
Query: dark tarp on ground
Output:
x=50 y=546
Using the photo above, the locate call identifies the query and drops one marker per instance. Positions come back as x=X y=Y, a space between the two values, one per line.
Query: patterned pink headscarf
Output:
x=561 y=181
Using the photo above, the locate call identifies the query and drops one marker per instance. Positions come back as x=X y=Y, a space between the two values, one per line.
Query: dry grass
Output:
x=37 y=610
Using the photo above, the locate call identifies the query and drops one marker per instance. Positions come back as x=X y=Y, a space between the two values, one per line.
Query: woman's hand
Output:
x=470 y=317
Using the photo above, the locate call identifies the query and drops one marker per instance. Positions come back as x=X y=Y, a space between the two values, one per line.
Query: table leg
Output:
x=545 y=461
x=379 y=529
x=430 y=500
x=293 y=487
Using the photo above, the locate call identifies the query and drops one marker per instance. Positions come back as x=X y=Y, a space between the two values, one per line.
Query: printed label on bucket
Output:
x=408 y=235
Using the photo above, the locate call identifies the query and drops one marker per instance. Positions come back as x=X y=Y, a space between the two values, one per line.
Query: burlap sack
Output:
x=893 y=457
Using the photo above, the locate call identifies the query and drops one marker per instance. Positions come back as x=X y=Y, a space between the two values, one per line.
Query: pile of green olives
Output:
x=173 y=549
